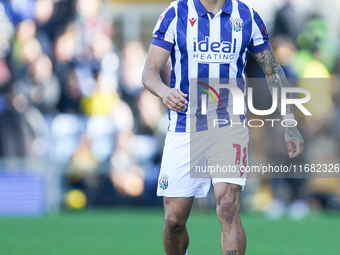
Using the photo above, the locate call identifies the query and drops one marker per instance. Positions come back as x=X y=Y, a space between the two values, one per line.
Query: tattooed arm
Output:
x=277 y=79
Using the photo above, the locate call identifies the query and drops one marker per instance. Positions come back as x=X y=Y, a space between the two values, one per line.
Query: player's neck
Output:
x=213 y=5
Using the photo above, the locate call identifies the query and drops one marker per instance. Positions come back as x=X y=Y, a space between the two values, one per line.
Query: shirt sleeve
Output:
x=163 y=34
x=260 y=38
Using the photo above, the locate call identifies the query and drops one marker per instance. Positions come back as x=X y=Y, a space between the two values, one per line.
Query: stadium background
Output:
x=81 y=139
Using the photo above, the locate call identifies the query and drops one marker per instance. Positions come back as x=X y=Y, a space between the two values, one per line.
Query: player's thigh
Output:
x=177 y=209
x=228 y=156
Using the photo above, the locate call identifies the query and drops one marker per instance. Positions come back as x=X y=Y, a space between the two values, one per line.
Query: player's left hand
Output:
x=294 y=141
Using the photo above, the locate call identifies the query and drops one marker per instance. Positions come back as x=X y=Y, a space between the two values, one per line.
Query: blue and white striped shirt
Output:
x=205 y=46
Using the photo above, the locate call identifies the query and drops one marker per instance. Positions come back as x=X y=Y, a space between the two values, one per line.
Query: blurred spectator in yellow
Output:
x=104 y=98
x=26 y=48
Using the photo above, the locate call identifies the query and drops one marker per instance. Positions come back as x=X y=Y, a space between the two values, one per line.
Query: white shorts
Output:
x=223 y=148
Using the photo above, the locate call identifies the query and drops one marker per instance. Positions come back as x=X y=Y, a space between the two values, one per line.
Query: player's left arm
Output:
x=277 y=79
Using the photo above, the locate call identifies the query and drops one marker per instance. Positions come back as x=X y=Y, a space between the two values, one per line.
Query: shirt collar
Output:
x=227 y=7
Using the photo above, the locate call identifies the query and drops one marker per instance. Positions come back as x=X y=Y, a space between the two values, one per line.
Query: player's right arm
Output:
x=173 y=98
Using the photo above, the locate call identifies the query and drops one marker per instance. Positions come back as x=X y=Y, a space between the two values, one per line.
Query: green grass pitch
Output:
x=133 y=231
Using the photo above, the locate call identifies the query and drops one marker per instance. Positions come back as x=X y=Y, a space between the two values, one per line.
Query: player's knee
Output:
x=173 y=224
x=228 y=210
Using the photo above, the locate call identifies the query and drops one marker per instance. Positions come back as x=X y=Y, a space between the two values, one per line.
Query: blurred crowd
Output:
x=306 y=45
x=70 y=95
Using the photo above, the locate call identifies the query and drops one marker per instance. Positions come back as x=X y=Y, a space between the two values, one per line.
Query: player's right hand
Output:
x=175 y=100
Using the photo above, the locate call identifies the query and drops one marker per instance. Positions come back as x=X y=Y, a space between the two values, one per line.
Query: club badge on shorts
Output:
x=163 y=181
x=236 y=24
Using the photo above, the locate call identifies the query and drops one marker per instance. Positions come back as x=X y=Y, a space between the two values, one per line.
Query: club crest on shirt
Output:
x=236 y=24
x=163 y=181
